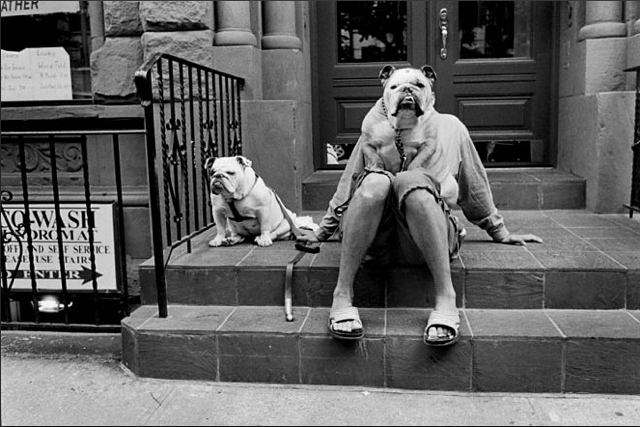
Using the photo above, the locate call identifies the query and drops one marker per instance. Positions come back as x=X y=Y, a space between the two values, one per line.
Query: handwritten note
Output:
x=36 y=74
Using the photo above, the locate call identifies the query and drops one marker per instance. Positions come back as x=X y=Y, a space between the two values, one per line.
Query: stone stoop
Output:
x=512 y=189
x=563 y=316
x=534 y=351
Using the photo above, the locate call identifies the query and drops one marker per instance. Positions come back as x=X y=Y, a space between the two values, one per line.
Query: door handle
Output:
x=444 y=31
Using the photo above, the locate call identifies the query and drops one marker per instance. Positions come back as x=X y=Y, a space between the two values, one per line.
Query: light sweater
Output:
x=449 y=156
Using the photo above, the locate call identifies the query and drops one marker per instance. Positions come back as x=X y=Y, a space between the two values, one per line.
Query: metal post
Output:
x=144 y=88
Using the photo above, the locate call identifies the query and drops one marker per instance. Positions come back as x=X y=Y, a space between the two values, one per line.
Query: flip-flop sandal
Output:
x=450 y=321
x=347 y=314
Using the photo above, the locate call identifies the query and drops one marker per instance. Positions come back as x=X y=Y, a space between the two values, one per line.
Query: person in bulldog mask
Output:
x=392 y=204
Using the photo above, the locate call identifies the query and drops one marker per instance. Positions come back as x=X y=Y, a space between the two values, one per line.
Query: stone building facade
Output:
x=266 y=43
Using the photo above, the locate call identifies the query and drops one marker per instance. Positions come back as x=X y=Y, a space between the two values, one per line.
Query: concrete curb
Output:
x=105 y=345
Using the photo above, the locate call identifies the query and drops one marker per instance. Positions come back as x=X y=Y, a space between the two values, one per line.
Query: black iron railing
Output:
x=192 y=113
x=60 y=269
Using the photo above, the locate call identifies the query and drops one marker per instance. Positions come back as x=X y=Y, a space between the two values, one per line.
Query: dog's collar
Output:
x=236 y=215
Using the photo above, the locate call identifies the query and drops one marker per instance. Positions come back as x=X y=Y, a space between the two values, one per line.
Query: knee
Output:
x=375 y=187
x=407 y=180
x=418 y=201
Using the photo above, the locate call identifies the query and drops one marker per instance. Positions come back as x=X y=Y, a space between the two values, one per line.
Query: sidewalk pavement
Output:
x=77 y=379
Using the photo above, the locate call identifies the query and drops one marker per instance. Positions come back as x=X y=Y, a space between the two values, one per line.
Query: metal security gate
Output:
x=192 y=113
x=50 y=244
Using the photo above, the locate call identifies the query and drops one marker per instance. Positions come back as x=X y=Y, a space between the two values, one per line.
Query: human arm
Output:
x=476 y=200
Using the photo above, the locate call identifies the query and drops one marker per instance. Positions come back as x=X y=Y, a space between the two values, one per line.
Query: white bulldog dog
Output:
x=243 y=206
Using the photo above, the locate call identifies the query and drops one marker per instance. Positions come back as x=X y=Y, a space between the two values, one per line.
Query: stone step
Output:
x=587 y=261
x=512 y=189
x=533 y=351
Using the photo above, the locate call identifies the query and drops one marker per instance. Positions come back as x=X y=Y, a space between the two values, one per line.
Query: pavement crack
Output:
x=154 y=398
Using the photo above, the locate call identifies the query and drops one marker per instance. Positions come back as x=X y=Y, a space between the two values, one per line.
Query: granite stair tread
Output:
x=592 y=351
x=512 y=188
x=587 y=261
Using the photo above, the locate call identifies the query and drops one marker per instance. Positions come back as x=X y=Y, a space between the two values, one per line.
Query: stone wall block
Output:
x=605 y=62
x=283 y=75
x=114 y=65
x=241 y=61
x=122 y=18
x=194 y=46
x=595 y=134
x=176 y=15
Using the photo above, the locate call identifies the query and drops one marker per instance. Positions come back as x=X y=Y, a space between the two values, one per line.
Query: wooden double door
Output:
x=493 y=62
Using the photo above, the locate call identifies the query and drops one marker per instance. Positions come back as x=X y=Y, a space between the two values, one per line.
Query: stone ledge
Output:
x=541 y=350
x=107 y=345
x=517 y=188
x=70 y=111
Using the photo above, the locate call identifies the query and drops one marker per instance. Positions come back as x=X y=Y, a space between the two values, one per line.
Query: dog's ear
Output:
x=385 y=73
x=209 y=162
x=429 y=72
x=243 y=161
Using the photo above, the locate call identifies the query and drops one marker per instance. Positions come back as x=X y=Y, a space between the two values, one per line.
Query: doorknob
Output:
x=444 y=31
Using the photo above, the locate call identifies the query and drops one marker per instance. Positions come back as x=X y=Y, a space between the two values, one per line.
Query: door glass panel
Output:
x=510 y=152
x=372 y=31
x=495 y=29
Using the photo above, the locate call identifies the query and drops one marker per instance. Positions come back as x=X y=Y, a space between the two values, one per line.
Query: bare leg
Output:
x=360 y=226
x=427 y=225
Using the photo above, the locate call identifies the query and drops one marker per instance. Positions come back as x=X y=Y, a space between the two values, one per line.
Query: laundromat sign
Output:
x=86 y=255
x=18 y=8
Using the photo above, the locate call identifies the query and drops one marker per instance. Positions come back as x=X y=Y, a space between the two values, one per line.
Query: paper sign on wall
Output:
x=36 y=74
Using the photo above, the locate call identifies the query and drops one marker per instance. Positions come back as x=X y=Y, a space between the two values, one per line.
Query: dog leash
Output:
x=397 y=139
x=303 y=248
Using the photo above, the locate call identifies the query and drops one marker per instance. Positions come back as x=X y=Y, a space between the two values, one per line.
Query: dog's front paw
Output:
x=218 y=241
x=264 y=240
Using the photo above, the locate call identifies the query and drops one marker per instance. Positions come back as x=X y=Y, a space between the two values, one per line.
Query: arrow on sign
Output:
x=85 y=274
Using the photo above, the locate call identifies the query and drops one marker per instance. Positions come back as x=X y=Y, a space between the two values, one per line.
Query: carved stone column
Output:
x=96 y=17
x=603 y=19
x=279 y=19
x=233 y=23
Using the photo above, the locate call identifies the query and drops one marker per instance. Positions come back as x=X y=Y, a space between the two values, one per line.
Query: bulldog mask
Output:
x=408 y=94
x=243 y=206
x=393 y=141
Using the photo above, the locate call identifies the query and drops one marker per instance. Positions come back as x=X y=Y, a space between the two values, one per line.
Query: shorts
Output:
x=393 y=244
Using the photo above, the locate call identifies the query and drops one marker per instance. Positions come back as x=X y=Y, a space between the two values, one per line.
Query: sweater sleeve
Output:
x=475 y=198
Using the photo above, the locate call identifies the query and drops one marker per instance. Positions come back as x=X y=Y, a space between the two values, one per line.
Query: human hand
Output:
x=308 y=236
x=520 y=239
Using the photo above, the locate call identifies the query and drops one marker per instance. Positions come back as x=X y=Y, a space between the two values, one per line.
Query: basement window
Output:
x=44 y=45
